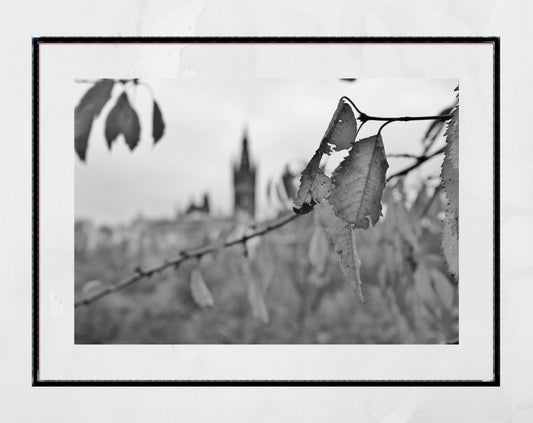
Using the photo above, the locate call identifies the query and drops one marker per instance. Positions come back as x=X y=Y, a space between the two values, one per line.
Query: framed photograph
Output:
x=266 y=211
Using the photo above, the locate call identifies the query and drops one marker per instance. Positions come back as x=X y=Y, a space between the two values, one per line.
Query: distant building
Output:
x=244 y=176
x=202 y=208
x=244 y=172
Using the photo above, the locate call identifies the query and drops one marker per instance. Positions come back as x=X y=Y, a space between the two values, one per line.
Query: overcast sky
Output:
x=286 y=120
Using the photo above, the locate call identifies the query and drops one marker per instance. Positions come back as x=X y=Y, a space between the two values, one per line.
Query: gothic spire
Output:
x=245 y=157
x=244 y=180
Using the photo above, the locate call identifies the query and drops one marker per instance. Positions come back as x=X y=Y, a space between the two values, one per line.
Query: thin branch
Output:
x=403 y=156
x=418 y=162
x=184 y=256
x=382 y=126
x=364 y=117
x=359 y=129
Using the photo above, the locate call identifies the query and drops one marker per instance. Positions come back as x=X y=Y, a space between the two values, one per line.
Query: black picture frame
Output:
x=37 y=41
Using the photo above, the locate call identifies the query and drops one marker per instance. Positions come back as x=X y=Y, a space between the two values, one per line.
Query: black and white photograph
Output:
x=239 y=211
x=266 y=211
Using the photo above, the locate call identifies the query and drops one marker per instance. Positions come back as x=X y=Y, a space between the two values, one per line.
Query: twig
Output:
x=359 y=129
x=419 y=161
x=349 y=100
x=364 y=117
x=185 y=255
x=403 y=156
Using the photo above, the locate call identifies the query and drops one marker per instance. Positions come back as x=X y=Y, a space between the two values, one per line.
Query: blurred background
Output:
x=229 y=159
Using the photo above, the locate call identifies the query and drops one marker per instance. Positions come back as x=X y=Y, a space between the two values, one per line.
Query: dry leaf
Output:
x=89 y=107
x=319 y=250
x=158 y=125
x=342 y=128
x=450 y=185
x=342 y=236
x=199 y=290
x=358 y=183
x=122 y=119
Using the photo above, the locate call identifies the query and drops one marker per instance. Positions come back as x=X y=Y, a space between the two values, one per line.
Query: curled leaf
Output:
x=450 y=244
x=257 y=302
x=199 y=290
x=342 y=236
x=255 y=292
x=314 y=185
x=319 y=250
x=342 y=128
x=83 y=121
x=97 y=96
x=358 y=183
x=450 y=185
x=89 y=107
x=122 y=119
x=450 y=164
x=158 y=125
x=304 y=201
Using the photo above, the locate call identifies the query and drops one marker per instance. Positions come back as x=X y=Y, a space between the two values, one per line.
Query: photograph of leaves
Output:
x=349 y=252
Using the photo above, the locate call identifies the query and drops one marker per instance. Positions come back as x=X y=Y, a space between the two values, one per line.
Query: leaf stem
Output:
x=359 y=129
x=364 y=117
x=184 y=256
x=403 y=156
x=349 y=100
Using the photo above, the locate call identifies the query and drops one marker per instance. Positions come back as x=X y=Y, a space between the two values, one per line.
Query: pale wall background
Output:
x=511 y=20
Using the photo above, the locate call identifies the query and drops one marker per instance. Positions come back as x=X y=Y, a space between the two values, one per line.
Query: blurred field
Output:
x=410 y=298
